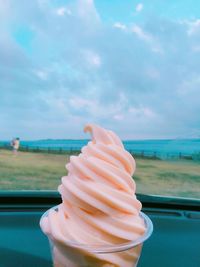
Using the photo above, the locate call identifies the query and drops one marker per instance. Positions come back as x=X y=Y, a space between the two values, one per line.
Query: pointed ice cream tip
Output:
x=103 y=136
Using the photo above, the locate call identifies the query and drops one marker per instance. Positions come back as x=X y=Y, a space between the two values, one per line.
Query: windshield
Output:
x=131 y=67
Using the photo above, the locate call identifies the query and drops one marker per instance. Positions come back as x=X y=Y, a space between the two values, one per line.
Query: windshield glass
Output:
x=131 y=67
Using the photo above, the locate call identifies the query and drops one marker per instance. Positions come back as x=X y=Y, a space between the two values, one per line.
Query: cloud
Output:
x=43 y=75
x=139 y=7
x=153 y=73
x=140 y=33
x=148 y=38
x=92 y=58
x=144 y=112
x=61 y=11
x=196 y=48
x=132 y=77
x=87 y=12
x=120 y=26
x=118 y=117
x=193 y=26
x=95 y=108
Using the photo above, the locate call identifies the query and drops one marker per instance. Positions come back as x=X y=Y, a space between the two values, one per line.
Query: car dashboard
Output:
x=175 y=240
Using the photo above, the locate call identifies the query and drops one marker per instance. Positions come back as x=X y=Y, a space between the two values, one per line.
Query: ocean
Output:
x=161 y=147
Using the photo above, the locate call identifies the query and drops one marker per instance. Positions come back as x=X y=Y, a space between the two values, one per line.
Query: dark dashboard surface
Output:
x=175 y=240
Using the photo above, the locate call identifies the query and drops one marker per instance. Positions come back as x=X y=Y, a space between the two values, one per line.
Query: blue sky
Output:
x=130 y=66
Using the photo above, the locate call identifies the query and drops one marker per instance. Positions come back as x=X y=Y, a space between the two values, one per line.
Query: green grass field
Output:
x=40 y=171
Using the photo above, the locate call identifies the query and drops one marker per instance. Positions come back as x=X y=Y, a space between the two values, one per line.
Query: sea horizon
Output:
x=85 y=139
x=161 y=147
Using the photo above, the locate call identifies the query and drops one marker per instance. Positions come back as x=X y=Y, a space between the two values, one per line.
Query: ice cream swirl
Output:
x=99 y=206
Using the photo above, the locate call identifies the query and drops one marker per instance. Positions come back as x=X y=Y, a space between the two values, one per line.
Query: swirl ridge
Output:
x=99 y=205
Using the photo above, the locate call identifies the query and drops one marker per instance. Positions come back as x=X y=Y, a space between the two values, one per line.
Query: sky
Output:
x=129 y=66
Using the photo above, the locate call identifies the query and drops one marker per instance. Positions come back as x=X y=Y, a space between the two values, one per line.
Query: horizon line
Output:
x=123 y=140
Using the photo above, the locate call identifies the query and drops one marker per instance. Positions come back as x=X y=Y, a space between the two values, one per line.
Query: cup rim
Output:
x=111 y=248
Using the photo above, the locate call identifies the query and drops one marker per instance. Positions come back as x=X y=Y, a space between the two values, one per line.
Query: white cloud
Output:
x=142 y=112
x=43 y=4
x=156 y=48
x=61 y=11
x=42 y=74
x=196 y=48
x=148 y=38
x=153 y=73
x=89 y=71
x=193 y=26
x=97 y=109
x=60 y=104
x=118 y=117
x=140 y=33
x=92 y=58
x=120 y=26
x=189 y=87
x=87 y=11
x=86 y=106
x=5 y=6
x=79 y=103
x=139 y=7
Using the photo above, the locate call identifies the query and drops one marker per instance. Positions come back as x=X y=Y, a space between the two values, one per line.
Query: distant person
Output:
x=15 y=143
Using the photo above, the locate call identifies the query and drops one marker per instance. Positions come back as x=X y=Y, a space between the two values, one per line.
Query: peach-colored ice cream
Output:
x=99 y=207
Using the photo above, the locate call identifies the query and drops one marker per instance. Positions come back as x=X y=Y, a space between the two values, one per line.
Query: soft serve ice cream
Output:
x=99 y=207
